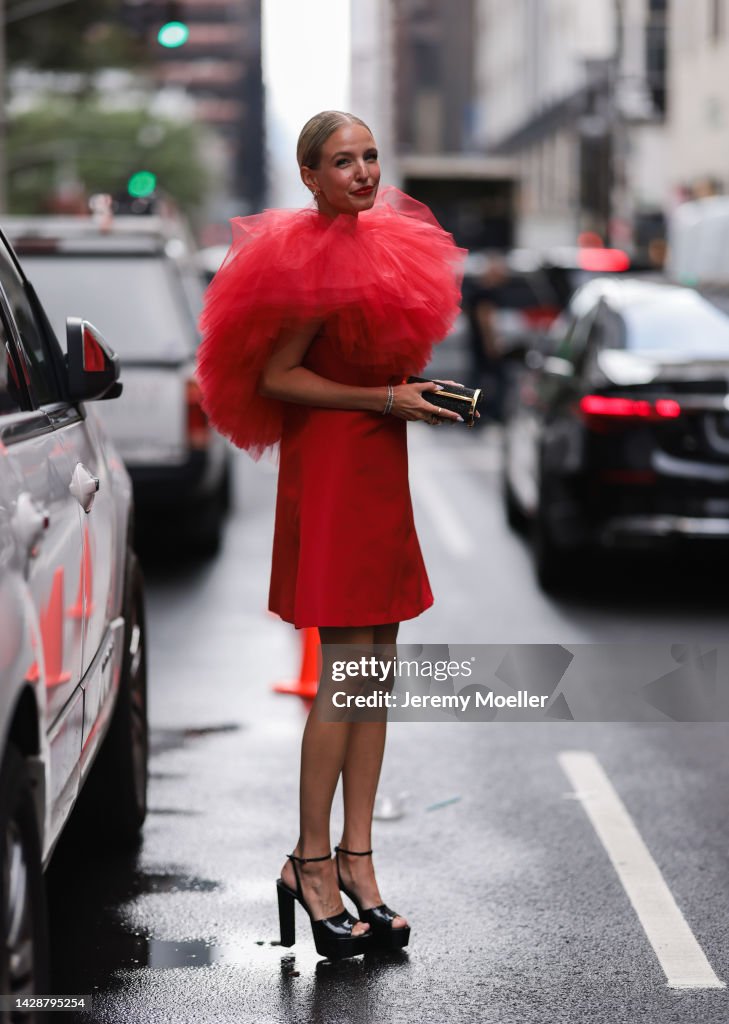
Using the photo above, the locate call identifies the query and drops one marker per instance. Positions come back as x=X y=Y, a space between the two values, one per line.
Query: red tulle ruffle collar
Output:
x=387 y=284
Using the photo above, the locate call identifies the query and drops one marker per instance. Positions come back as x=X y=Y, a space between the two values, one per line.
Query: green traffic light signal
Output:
x=172 y=34
x=141 y=184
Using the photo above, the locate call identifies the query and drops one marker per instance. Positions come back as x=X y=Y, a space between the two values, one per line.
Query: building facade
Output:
x=576 y=93
x=699 y=89
x=372 y=76
x=437 y=157
x=526 y=123
x=219 y=68
x=433 y=51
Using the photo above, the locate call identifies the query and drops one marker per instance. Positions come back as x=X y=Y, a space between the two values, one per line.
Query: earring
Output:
x=316 y=192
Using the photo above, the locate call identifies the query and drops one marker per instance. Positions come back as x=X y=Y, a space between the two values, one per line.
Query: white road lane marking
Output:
x=681 y=957
x=432 y=497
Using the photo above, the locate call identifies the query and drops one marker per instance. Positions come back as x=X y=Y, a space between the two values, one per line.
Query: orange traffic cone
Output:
x=52 y=633
x=308 y=682
x=85 y=584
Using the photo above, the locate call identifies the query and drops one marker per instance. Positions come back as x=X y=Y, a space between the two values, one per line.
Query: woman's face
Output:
x=348 y=173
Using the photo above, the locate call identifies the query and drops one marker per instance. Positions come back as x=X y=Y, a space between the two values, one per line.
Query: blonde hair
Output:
x=317 y=130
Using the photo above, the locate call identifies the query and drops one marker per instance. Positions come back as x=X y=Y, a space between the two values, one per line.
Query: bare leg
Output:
x=323 y=752
x=360 y=776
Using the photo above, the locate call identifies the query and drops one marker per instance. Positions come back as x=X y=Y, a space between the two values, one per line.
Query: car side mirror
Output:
x=93 y=366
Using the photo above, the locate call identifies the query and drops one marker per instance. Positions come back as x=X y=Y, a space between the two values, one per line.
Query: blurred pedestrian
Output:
x=483 y=296
x=309 y=330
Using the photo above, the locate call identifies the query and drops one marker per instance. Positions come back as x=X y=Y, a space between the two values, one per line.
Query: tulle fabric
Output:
x=385 y=283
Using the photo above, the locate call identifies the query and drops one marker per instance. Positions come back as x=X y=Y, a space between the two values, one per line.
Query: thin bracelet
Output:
x=390 y=400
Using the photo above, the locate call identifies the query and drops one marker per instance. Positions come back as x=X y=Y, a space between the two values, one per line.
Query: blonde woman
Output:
x=310 y=328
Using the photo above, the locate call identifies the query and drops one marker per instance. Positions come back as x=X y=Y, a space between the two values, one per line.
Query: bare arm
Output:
x=286 y=379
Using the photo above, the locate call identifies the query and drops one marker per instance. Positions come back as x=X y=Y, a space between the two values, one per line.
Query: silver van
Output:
x=73 y=702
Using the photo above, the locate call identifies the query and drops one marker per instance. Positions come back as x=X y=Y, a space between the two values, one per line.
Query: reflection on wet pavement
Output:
x=114 y=919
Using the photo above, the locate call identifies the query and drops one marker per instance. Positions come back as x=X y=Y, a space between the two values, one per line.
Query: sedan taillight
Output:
x=198 y=428
x=595 y=408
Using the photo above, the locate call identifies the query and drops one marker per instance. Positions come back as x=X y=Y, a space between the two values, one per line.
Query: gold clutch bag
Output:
x=456 y=398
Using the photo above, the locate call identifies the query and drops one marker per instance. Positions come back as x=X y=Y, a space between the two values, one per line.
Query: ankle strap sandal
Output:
x=333 y=936
x=379 y=918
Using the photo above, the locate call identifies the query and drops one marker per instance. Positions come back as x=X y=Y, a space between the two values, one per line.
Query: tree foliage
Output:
x=81 y=35
x=67 y=141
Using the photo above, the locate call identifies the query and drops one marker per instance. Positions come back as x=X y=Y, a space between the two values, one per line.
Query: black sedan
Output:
x=617 y=434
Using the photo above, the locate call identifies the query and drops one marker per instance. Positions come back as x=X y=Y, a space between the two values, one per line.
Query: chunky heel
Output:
x=379 y=918
x=333 y=936
x=286 y=914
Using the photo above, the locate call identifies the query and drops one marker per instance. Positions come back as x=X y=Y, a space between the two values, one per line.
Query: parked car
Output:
x=73 y=700
x=210 y=260
x=618 y=433
x=137 y=276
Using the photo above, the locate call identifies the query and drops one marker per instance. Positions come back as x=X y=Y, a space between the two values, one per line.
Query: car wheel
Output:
x=209 y=525
x=549 y=560
x=226 y=490
x=24 y=959
x=554 y=563
x=512 y=509
x=113 y=803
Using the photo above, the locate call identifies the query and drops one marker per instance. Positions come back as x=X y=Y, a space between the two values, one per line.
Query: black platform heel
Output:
x=379 y=918
x=332 y=935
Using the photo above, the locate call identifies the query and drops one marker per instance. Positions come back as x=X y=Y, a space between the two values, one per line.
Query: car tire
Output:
x=554 y=563
x=210 y=522
x=549 y=561
x=513 y=511
x=24 y=964
x=226 y=489
x=113 y=802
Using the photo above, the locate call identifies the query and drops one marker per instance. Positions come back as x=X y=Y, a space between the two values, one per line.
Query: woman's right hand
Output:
x=410 y=402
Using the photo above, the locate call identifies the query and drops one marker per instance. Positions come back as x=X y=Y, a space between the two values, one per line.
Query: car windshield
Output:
x=678 y=322
x=136 y=302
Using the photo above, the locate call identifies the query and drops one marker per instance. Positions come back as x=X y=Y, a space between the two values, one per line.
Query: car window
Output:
x=676 y=321
x=43 y=378
x=573 y=344
x=607 y=330
x=10 y=390
x=194 y=290
x=137 y=302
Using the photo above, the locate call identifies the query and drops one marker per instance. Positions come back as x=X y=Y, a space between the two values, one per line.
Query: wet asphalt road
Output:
x=517 y=913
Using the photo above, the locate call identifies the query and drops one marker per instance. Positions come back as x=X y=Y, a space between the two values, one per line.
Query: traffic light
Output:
x=172 y=34
x=173 y=31
x=160 y=20
x=141 y=184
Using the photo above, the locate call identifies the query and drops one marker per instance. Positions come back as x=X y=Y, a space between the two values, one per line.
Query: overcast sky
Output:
x=306 y=61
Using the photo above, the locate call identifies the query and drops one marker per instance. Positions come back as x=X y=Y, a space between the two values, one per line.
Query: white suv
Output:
x=136 y=276
x=72 y=640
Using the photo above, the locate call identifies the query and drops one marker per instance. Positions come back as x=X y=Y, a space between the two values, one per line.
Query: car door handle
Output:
x=83 y=486
x=29 y=521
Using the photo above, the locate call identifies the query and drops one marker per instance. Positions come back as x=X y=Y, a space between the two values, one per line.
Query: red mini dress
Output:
x=386 y=287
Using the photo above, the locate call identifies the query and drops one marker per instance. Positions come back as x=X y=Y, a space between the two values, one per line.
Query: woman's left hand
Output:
x=456 y=384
